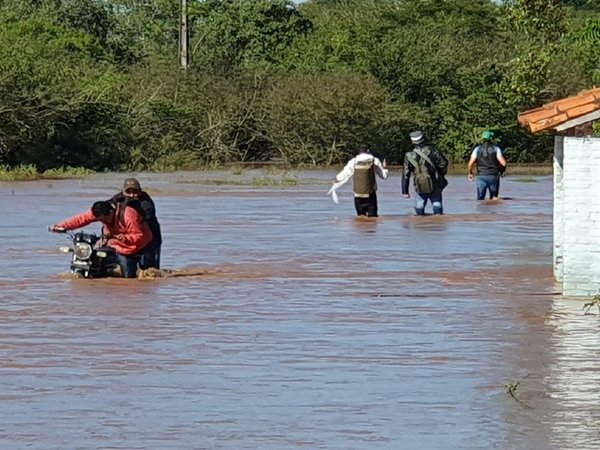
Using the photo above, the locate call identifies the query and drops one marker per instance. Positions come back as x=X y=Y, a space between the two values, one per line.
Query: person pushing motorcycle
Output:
x=123 y=228
x=133 y=195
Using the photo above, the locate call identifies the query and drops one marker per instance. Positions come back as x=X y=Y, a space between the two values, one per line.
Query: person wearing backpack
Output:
x=490 y=164
x=362 y=169
x=428 y=167
x=133 y=195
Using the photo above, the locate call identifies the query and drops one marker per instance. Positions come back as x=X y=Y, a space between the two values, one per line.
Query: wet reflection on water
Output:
x=289 y=323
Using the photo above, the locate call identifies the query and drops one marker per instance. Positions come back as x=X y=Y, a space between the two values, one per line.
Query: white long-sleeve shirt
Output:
x=348 y=170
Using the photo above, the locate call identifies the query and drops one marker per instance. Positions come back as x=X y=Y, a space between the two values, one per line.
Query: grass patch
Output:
x=530 y=169
x=276 y=175
x=269 y=181
x=66 y=172
x=512 y=169
x=215 y=182
x=18 y=173
x=222 y=182
x=524 y=179
x=276 y=170
x=236 y=169
x=29 y=172
x=257 y=182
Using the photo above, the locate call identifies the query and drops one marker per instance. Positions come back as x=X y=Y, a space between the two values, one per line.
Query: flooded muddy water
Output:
x=290 y=323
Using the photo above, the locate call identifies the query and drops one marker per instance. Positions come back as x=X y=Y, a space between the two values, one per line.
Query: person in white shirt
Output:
x=362 y=169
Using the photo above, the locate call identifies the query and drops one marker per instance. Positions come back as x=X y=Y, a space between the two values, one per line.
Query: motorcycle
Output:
x=87 y=260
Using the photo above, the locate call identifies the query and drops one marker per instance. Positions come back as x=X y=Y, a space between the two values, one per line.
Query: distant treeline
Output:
x=97 y=83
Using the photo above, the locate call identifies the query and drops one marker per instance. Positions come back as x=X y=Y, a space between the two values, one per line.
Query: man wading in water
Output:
x=362 y=168
x=490 y=163
x=429 y=167
x=133 y=195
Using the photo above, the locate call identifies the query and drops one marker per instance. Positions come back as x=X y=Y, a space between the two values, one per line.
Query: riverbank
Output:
x=512 y=169
x=31 y=173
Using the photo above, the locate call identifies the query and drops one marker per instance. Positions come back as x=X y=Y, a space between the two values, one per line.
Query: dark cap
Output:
x=365 y=148
x=132 y=183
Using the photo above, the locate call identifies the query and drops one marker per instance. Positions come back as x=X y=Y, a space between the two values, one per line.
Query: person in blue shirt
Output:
x=490 y=165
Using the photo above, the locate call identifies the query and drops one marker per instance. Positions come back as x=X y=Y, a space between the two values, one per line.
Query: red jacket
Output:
x=128 y=223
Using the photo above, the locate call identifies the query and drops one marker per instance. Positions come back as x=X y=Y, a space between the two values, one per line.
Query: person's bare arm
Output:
x=470 y=165
x=501 y=160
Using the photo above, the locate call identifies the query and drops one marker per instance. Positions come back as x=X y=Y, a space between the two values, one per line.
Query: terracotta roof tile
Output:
x=548 y=123
x=557 y=112
x=536 y=115
x=581 y=110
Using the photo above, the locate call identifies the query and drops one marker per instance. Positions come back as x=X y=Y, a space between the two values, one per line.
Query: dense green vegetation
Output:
x=96 y=83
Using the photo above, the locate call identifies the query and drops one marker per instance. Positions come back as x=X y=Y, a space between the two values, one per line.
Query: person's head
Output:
x=365 y=148
x=487 y=135
x=132 y=188
x=416 y=137
x=103 y=211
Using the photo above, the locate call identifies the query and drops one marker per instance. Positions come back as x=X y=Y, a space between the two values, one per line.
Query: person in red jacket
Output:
x=123 y=229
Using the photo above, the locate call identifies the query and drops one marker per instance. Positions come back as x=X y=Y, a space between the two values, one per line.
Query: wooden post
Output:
x=183 y=36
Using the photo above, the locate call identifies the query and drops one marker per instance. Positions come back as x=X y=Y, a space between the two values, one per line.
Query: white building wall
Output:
x=580 y=216
x=558 y=210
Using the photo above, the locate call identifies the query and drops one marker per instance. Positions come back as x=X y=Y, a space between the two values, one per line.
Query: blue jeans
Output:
x=436 y=202
x=485 y=183
x=150 y=258
x=128 y=265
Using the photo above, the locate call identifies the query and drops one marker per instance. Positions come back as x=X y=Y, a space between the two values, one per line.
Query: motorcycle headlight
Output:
x=82 y=250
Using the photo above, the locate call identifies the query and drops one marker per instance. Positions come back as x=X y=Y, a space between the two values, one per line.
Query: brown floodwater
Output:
x=286 y=322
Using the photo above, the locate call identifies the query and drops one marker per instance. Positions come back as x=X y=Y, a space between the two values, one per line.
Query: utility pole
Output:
x=183 y=36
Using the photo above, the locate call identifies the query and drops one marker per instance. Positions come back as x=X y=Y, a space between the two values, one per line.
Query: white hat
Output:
x=416 y=137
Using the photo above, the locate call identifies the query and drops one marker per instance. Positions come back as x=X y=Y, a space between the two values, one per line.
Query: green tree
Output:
x=41 y=101
x=147 y=28
x=232 y=34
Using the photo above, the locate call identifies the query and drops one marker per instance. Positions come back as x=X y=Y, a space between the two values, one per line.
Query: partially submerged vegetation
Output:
x=512 y=169
x=595 y=301
x=271 y=181
x=274 y=174
x=30 y=172
x=511 y=389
